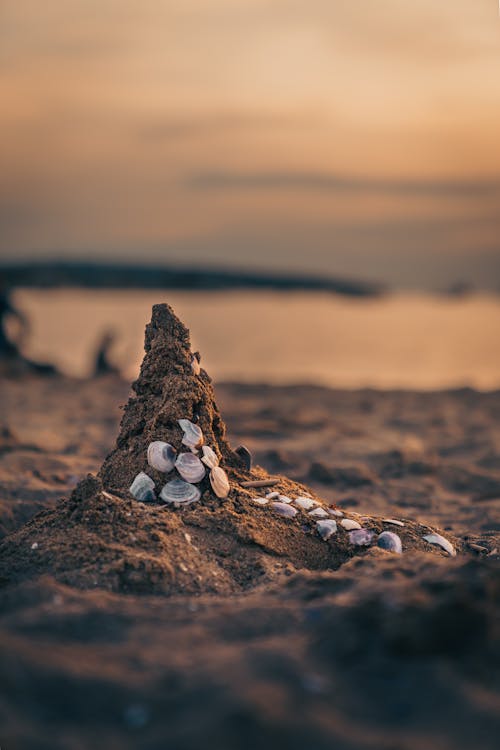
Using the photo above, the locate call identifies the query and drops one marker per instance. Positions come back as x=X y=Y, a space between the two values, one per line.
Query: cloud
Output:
x=338 y=183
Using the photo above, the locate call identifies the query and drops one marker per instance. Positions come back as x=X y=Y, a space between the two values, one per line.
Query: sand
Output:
x=222 y=625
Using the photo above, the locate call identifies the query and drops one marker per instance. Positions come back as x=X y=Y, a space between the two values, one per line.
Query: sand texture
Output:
x=223 y=624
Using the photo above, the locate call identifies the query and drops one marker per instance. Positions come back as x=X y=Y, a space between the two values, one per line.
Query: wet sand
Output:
x=385 y=652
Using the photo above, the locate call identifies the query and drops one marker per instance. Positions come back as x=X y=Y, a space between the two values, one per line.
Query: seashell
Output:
x=306 y=503
x=335 y=512
x=361 y=537
x=142 y=488
x=195 y=365
x=178 y=492
x=284 y=499
x=442 y=542
x=326 y=528
x=390 y=541
x=260 y=500
x=209 y=457
x=283 y=509
x=193 y=436
x=190 y=467
x=393 y=521
x=318 y=513
x=219 y=482
x=349 y=524
x=245 y=455
x=161 y=456
x=271 y=495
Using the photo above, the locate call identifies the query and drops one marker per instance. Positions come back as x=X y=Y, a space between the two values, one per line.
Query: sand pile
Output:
x=103 y=537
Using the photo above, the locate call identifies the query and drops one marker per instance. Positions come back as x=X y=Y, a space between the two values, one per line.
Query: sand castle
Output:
x=225 y=538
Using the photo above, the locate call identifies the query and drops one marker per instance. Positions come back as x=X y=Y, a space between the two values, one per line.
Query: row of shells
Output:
x=192 y=469
x=326 y=526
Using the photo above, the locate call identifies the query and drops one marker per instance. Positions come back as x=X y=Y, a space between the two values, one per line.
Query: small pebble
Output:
x=318 y=513
x=361 y=537
x=271 y=495
x=326 y=528
x=34 y=545
x=284 y=499
x=335 y=512
x=283 y=509
x=304 y=502
x=349 y=524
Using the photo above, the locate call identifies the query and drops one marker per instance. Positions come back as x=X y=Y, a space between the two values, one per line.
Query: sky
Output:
x=357 y=138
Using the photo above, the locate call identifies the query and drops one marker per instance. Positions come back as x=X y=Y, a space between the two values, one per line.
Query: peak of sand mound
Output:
x=102 y=536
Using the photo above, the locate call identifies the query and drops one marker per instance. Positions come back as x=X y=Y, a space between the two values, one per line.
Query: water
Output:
x=402 y=341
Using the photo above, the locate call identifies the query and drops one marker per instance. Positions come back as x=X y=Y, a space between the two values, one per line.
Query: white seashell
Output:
x=393 y=521
x=390 y=541
x=335 y=512
x=284 y=509
x=178 y=492
x=161 y=456
x=193 y=436
x=143 y=488
x=260 y=500
x=219 y=482
x=209 y=457
x=349 y=524
x=306 y=503
x=442 y=542
x=326 y=528
x=318 y=513
x=195 y=365
x=361 y=537
x=271 y=495
x=284 y=499
x=190 y=467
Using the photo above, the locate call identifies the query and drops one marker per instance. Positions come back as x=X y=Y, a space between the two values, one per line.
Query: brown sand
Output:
x=268 y=634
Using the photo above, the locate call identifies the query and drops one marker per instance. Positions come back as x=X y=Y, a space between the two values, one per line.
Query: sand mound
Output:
x=102 y=537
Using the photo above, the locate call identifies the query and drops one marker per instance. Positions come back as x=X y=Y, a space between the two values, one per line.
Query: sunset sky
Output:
x=359 y=138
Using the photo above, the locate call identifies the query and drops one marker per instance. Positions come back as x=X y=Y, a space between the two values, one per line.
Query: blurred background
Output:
x=320 y=179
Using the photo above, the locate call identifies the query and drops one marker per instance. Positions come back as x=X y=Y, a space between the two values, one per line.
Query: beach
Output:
x=379 y=651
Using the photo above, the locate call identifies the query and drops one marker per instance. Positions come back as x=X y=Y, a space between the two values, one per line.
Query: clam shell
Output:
x=326 y=528
x=219 y=482
x=318 y=513
x=178 y=492
x=161 y=456
x=284 y=499
x=260 y=500
x=143 y=488
x=284 y=509
x=441 y=542
x=271 y=495
x=190 y=467
x=193 y=436
x=393 y=521
x=335 y=512
x=390 y=541
x=245 y=456
x=209 y=457
x=306 y=503
x=361 y=537
x=349 y=524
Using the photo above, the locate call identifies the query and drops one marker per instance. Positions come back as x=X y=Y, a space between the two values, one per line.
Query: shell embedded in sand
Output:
x=390 y=541
x=306 y=503
x=272 y=495
x=209 y=457
x=193 y=436
x=161 y=456
x=178 y=492
x=349 y=524
x=245 y=456
x=142 y=488
x=190 y=467
x=361 y=537
x=335 y=512
x=219 y=482
x=284 y=499
x=283 y=509
x=260 y=500
x=326 y=528
x=393 y=521
x=441 y=542
x=195 y=365
x=318 y=513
